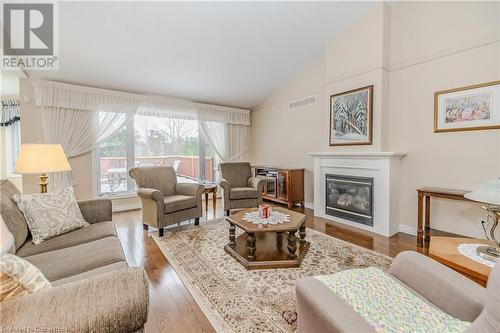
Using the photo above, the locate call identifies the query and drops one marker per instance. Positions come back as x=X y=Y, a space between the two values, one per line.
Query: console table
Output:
x=425 y=193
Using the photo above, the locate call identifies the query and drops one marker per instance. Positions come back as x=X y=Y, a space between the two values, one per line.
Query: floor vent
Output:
x=300 y=103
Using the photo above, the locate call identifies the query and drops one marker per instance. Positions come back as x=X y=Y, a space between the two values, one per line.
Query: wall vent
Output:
x=300 y=103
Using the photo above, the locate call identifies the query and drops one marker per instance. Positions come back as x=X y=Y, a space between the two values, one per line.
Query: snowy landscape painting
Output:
x=351 y=117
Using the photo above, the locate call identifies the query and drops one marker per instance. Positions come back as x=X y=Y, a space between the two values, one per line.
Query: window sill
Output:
x=117 y=196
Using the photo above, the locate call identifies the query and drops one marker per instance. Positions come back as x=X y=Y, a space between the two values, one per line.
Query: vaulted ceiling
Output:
x=229 y=53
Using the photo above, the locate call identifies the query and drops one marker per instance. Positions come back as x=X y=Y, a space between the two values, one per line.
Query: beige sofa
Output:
x=94 y=290
x=320 y=310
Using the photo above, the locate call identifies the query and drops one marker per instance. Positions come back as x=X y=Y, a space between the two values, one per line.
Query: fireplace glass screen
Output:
x=350 y=198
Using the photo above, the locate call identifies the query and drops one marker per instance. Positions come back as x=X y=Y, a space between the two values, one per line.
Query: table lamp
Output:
x=489 y=194
x=40 y=159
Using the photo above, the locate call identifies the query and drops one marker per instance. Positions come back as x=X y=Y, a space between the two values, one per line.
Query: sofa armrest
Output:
x=320 y=310
x=190 y=189
x=150 y=193
x=450 y=291
x=224 y=184
x=256 y=183
x=111 y=302
x=96 y=210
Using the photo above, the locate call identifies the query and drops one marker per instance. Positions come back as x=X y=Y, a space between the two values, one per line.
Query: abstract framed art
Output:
x=470 y=108
x=351 y=117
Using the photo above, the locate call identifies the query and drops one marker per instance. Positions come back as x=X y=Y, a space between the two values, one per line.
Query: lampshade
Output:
x=41 y=158
x=488 y=193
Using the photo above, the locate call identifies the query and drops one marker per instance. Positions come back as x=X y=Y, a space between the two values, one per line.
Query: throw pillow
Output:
x=18 y=277
x=50 y=214
x=6 y=237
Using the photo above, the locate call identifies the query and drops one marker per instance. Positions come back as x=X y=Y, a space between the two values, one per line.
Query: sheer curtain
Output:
x=228 y=140
x=80 y=118
x=78 y=132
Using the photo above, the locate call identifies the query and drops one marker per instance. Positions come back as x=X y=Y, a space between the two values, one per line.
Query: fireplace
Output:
x=350 y=198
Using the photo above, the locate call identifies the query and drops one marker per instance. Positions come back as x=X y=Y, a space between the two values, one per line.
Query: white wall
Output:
x=408 y=50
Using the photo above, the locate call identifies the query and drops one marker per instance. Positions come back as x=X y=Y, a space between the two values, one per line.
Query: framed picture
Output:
x=469 y=108
x=351 y=117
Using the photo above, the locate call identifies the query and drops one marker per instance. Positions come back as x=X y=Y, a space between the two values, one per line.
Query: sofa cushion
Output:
x=19 y=277
x=60 y=264
x=243 y=193
x=50 y=214
x=387 y=305
x=174 y=203
x=6 y=238
x=91 y=273
x=12 y=215
x=236 y=173
x=86 y=234
x=162 y=178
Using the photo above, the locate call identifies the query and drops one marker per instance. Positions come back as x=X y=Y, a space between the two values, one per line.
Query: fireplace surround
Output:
x=382 y=168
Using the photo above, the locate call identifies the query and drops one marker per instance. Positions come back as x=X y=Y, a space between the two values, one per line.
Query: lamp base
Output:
x=489 y=252
x=43 y=183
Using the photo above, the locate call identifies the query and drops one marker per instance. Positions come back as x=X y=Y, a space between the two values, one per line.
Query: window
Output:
x=153 y=141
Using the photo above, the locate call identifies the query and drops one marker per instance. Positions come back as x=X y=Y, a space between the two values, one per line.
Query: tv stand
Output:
x=283 y=185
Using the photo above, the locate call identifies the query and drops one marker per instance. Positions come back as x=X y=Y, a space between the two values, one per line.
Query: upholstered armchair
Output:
x=240 y=189
x=412 y=276
x=164 y=201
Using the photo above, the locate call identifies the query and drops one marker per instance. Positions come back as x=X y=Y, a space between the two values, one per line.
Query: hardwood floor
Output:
x=173 y=309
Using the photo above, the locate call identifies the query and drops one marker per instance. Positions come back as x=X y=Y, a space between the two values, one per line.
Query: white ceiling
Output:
x=229 y=53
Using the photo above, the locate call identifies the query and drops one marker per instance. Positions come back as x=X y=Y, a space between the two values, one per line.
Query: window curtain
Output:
x=10 y=112
x=10 y=120
x=227 y=140
x=78 y=132
x=80 y=118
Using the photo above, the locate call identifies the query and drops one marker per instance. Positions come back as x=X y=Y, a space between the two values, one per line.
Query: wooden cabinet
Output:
x=282 y=185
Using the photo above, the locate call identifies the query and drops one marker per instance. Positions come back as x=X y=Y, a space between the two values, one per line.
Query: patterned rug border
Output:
x=199 y=296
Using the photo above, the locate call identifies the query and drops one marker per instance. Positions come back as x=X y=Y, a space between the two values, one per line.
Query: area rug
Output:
x=237 y=300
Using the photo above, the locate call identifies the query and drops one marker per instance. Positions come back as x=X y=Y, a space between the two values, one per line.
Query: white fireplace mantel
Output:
x=360 y=154
x=383 y=167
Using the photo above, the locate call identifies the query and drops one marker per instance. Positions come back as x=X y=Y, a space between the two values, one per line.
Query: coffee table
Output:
x=262 y=246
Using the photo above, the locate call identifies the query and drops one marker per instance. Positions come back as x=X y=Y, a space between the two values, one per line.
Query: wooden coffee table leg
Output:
x=279 y=239
x=302 y=234
x=232 y=234
x=292 y=245
x=251 y=246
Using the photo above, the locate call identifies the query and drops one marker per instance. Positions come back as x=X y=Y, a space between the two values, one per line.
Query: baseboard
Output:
x=309 y=205
x=122 y=208
x=408 y=230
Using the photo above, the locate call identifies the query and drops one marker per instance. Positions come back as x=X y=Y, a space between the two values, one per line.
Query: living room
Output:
x=251 y=166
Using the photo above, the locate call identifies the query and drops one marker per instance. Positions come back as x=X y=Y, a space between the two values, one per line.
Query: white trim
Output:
x=446 y=52
x=361 y=154
x=406 y=229
x=309 y=205
x=125 y=207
